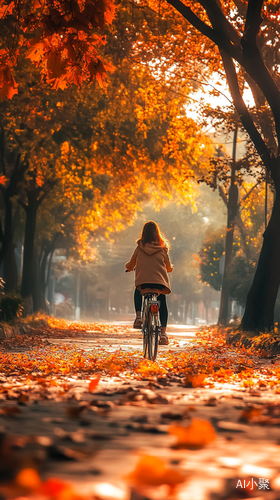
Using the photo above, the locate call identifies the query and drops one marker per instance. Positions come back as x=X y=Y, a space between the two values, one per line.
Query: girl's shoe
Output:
x=137 y=323
x=163 y=339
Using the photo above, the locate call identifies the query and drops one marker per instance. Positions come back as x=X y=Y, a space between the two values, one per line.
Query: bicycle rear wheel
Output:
x=153 y=335
x=145 y=335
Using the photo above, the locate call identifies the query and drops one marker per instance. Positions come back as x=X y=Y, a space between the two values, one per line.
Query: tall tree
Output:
x=247 y=235
x=246 y=37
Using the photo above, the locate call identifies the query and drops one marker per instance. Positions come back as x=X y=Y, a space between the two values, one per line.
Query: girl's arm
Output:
x=168 y=264
x=130 y=265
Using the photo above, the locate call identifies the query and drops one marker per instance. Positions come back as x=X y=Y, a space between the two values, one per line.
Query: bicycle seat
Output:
x=151 y=291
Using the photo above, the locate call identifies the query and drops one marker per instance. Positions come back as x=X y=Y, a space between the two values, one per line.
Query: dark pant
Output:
x=163 y=312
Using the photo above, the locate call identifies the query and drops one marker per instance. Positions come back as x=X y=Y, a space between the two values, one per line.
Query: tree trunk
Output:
x=45 y=267
x=193 y=312
x=42 y=278
x=206 y=312
x=7 y=236
x=259 y=310
x=10 y=274
x=232 y=208
x=10 y=271
x=35 y=282
x=7 y=253
x=38 y=291
x=78 y=288
x=186 y=312
x=28 y=255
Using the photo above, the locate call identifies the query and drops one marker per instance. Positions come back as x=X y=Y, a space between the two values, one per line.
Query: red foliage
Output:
x=61 y=37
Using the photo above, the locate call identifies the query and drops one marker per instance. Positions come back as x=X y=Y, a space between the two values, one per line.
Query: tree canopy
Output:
x=236 y=40
x=92 y=157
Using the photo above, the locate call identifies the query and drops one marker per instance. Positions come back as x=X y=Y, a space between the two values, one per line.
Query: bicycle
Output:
x=151 y=326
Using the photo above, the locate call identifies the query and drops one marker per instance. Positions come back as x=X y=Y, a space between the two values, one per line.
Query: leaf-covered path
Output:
x=81 y=413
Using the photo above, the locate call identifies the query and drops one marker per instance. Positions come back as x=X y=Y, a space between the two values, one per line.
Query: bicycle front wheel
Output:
x=153 y=335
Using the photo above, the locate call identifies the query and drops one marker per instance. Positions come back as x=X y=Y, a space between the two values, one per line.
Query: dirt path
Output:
x=92 y=440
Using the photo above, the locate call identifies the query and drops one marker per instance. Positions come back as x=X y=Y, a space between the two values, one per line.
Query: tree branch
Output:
x=242 y=230
x=254 y=64
x=48 y=187
x=243 y=112
x=239 y=223
x=249 y=192
x=223 y=195
x=219 y=38
x=23 y=205
x=267 y=128
x=71 y=212
x=42 y=197
x=219 y=21
x=246 y=54
x=253 y=21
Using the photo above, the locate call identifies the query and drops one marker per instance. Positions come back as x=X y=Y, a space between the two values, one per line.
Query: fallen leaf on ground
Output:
x=28 y=478
x=188 y=409
x=55 y=488
x=93 y=384
x=252 y=415
x=157 y=399
x=194 y=380
x=197 y=435
x=22 y=399
x=211 y=401
x=151 y=471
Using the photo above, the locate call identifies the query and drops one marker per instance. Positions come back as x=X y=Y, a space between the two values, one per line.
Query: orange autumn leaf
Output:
x=57 y=489
x=28 y=478
x=35 y=52
x=151 y=471
x=93 y=384
x=55 y=66
x=194 y=380
x=197 y=435
x=23 y=398
x=3 y=179
x=8 y=85
x=251 y=415
x=40 y=180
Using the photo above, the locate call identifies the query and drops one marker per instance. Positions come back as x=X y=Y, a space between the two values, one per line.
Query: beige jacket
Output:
x=151 y=263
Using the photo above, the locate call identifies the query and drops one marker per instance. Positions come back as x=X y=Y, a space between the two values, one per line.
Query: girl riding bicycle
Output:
x=150 y=260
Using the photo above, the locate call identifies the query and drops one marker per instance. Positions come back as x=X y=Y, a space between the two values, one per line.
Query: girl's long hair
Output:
x=152 y=234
